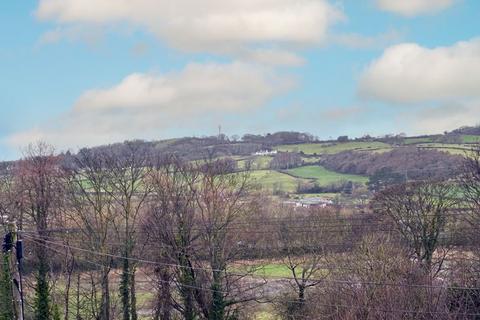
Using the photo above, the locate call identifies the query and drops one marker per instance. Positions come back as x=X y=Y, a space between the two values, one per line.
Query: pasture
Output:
x=272 y=181
x=323 y=176
x=455 y=149
x=333 y=147
x=467 y=138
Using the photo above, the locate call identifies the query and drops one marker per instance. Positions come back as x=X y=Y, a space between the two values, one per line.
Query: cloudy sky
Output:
x=85 y=72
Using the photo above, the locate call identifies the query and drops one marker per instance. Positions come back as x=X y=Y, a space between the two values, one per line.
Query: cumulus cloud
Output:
x=218 y=26
x=147 y=105
x=411 y=8
x=359 y=41
x=272 y=57
x=409 y=73
x=89 y=35
x=444 y=117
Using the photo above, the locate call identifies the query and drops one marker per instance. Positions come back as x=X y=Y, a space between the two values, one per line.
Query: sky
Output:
x=78 y=73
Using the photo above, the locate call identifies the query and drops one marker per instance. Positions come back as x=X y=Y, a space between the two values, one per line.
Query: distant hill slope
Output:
x=316 y=161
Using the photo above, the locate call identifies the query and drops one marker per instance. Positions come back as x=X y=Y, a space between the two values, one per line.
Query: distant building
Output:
x=265 y=153
x=314 y=202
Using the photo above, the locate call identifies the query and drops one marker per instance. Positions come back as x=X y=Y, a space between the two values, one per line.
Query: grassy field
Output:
x=324 y=176
x=470 y=138
x=276 y=181
x=456 y=149
x=417 y=140
x=326 y=195
x=274 y=271
x=264 y=269
x=257 y=162
x=332 y=148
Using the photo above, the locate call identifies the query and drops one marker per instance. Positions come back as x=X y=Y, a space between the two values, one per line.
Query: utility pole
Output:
x=15 y=260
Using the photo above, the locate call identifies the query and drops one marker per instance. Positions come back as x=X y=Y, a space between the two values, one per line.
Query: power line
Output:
x=251 y=274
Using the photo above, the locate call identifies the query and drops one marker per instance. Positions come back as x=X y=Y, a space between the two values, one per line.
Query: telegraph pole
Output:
x=15 y=260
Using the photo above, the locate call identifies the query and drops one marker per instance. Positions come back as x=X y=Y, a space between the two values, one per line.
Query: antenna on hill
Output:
x=219 y=130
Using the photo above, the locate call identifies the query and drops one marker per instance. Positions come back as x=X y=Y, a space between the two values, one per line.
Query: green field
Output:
x=268 y=270
x=272 y=180
x=256 y=162
x=417 y=140
x=455 y=149
x=310 y=159
x=332 y=148
x=324 y=176
x=466 y=138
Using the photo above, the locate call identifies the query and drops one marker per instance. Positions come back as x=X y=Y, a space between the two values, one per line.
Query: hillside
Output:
x=294 y=163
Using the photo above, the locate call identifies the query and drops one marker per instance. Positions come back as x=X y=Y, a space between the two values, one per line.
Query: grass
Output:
x=332 y=148
x=265 y=269
x=276 y=181
x=310 y=159
x=417 y=140
x=257 y=162
x=265 y=315
x=467 y=138
x=324 y=176
x=455 y=149
x=274 y=271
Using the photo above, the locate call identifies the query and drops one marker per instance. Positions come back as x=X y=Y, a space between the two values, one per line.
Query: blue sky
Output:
x=85 y=72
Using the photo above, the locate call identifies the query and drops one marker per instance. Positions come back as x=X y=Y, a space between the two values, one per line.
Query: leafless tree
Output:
x=306 y=238
x=378 y=280
x=470 y=182
x=39 y=180
x=420 y=212
x=223 y=201
x=171 y=233
x=127 y=168
x=90 y=209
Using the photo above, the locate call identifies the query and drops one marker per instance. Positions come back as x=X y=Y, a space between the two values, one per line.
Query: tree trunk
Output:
x=42 y=296
x=301 y=294
x=188 y=280
x=105 y=304
x=78 y=317
x=125 y=289
x=133 y=297
x=217 y=309
x=163 y=308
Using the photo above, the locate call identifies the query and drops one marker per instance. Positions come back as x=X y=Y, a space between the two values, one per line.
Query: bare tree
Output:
x=171 y=232
x=470 y=183
x=127 y=168
x=419 y=212
x=305 y=242
x=39 y=181
x=91 y=211
x=223 y=200
x=378 y=280
x=468 y=271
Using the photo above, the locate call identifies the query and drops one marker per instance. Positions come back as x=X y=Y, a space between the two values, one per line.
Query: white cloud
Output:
x=272 y=57
x=409 y=73
x=218 y=26
x=90 y=35
x=411 y=8
x=147 y=105
x=440 y=118
x=359 y=41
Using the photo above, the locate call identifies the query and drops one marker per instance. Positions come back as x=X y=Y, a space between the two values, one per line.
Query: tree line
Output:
x=103 y=223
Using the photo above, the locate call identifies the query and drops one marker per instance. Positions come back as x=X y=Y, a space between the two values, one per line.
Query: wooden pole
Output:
x=14 y=263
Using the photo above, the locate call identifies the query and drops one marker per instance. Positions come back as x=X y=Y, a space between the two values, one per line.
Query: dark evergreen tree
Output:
x=42 y=298
x=6 y=298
